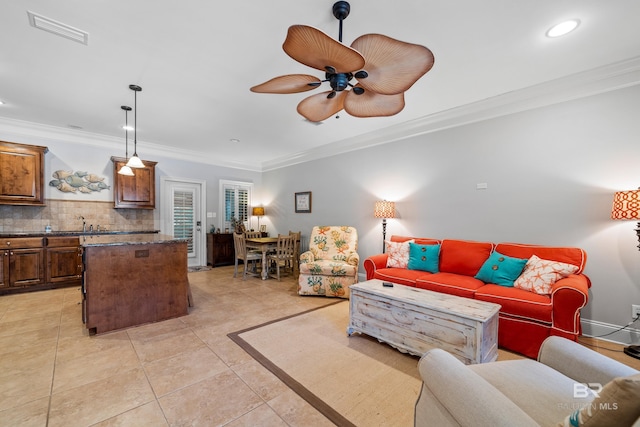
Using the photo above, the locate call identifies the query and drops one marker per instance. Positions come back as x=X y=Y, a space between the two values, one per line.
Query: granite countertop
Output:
x=127 y=239
x=73 y=233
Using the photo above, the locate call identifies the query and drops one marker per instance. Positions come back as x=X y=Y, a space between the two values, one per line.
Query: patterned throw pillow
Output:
x=398 y=254
x=539 y=275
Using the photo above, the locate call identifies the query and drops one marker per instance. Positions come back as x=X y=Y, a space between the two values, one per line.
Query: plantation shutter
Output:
x=237 y=197
x=183 y=217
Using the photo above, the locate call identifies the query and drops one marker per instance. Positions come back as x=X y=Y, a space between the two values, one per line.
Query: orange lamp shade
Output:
x=626 y=205
x=258 y=211
x=384 y=209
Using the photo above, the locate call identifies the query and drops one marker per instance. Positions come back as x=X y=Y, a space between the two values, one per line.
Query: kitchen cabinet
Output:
x=21 y=174
x=133 y=280
x=137 y=191
x=220 y=250
x=22 y=262
x=64 y=261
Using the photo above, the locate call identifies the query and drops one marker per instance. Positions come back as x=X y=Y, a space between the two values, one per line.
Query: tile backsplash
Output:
x=63 y=215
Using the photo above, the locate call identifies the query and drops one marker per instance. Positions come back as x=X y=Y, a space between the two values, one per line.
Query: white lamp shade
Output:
x=135 y=162
x=125 y=170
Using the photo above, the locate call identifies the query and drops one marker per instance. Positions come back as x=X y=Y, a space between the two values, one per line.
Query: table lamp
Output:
x=384 y=209
x=258 y=211
x=626 y=205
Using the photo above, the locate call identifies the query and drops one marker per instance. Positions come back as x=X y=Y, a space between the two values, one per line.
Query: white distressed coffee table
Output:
x=416 y=320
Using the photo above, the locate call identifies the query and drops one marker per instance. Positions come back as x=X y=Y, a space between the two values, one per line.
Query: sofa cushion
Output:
x=401 y=276
x=463 y=256
x=539 y=275
x=449 y=283
x=398 y=254
x=616 y=405
x=517 y=302
x=423 y=257
x=575 y=256
x=501 y=269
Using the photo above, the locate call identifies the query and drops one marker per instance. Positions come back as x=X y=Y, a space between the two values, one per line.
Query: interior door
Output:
x=182 y=207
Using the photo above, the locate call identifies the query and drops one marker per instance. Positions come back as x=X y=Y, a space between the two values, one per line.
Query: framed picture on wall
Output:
x=263 y=228
x=303 y=202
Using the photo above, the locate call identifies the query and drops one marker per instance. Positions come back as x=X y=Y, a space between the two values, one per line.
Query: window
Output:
x=236 y=199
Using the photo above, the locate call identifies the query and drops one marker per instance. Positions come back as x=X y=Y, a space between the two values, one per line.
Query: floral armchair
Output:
x=330 y=265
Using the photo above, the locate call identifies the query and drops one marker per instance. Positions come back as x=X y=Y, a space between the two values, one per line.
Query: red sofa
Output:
x=526 y=318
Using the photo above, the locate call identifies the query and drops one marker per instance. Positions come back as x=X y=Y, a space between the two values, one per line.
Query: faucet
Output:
x=84 y=224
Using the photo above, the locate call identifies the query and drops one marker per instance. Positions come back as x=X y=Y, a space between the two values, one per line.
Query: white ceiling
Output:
x=196 y=60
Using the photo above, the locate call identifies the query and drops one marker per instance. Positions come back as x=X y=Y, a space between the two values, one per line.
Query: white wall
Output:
x=551 y=173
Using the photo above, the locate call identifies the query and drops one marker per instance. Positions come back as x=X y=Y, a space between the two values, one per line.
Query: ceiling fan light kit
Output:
x=383 y=69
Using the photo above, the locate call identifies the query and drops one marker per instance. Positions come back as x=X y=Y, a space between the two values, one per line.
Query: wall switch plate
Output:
x=635 y=310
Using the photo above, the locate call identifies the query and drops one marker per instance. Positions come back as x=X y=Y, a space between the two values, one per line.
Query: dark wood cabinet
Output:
x=35 y=263
x=220 y=249
x=137 y=191
x=22 y=262
x=132 y=284
x=64 y=261
x=21 y=174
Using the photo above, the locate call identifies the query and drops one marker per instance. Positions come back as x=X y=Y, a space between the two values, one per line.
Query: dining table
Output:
x=263 y=244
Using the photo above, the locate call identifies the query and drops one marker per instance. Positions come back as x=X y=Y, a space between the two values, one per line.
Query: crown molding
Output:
x=37 y=133
x=575 y=86
x=580 y=85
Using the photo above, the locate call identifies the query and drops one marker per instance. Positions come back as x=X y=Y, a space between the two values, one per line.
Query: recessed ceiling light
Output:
x=1 y=103
x=563 y=28
x=127 y=127
x=234 y=140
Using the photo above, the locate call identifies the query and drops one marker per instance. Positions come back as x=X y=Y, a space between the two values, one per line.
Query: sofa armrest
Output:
x=373 y=263
x=581 y=363
x=307 y=257
x=568 y=296
x=463 y=395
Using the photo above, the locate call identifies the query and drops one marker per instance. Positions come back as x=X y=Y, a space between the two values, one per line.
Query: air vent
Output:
x=57 y=28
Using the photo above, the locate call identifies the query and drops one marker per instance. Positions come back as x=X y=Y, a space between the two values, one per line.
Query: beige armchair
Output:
x=330 y=265
x=563 y=383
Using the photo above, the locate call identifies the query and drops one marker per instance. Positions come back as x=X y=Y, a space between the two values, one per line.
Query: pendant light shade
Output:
x=126 y=170
x=134 y=161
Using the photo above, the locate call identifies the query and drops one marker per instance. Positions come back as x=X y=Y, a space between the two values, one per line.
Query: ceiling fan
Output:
x=383 y=69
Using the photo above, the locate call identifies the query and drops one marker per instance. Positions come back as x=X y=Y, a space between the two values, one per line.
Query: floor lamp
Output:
x=384 y=209
x=626 y=205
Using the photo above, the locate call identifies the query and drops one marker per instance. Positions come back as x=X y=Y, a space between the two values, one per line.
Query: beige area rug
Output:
x=351 y=380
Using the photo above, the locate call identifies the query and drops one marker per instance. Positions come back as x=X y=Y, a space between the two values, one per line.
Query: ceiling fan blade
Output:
x=393 y=66
x=317 y=108
x=371 y=104
x=315 y=49
x=290 y=83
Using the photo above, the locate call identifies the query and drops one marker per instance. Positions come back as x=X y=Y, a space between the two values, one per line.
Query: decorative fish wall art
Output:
x=73 y=182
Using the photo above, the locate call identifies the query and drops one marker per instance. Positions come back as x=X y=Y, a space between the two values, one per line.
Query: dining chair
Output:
x=282 y=258
x=252 y=234
x=296 y=250
x=241 y=253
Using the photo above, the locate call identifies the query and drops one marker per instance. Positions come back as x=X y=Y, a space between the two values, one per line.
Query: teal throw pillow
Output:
x=501 y=269
x=423 y=257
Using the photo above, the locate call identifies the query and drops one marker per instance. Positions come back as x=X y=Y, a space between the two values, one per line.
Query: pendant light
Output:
x=134 y=161
x=126 y=170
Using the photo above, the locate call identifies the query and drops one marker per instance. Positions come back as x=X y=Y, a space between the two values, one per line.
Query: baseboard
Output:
x=595 y=329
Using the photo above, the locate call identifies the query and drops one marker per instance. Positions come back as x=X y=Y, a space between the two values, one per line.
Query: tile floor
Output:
x=180 y=372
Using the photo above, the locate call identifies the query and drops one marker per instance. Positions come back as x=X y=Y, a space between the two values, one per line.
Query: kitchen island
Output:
x=131 y=280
